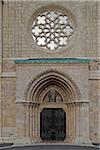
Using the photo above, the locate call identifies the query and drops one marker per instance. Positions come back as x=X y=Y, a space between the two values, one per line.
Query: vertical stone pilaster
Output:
x=69 y=124
x=73 y=127
x=82 y=123
x=35 y=123
x=98 y=111
x=38 y=123
x=77 y=120
x=84 y=120
x=31 y=122
x=98 y=29
x=26 y=120
x=37 y=139
x=21 y=138
x=1 y=24
x=1 y=49
x=33 y=134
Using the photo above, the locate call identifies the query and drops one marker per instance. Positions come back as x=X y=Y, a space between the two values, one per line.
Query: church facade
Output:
x=49 y=72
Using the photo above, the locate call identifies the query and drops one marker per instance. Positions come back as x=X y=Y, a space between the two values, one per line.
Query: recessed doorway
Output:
x=53 y=124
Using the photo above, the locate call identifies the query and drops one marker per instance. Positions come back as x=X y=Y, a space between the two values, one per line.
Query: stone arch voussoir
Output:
x=43 y=79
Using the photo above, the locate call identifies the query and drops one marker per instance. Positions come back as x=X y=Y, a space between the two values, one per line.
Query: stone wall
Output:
x=28 y=72
x=17 y=24
x=94 y=110
x=16 y=42
x=8 y=108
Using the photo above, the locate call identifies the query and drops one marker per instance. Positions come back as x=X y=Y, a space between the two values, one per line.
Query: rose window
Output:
x=52 y=30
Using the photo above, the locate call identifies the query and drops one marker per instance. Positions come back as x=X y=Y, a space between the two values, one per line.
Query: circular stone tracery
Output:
x=52 y=30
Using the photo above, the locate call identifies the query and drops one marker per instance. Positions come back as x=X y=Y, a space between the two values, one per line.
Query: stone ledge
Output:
x=7 y=139
x=23 y=141
x=94 y=74
x=54 y=60
x=32 y=102
x=8 y=74
x=82 y=141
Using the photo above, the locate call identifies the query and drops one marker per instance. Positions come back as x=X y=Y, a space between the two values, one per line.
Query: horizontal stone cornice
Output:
x=73 y=102
x=54 y=60
x=94 y=75
x=8 y=74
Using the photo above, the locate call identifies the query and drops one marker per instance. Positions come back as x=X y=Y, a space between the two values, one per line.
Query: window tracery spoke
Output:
x=52 y=30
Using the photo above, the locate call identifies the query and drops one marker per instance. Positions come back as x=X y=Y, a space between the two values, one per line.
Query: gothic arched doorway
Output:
x=53 y=92
x=52 y=109
x=53 y=124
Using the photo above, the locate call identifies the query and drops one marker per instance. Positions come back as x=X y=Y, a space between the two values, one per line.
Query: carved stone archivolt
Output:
x=55 y=79
x=52 y=89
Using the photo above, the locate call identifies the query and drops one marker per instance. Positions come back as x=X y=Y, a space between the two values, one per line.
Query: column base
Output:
x=7 y=140
x=82 y=141
x=1 y=140
x=23 y=141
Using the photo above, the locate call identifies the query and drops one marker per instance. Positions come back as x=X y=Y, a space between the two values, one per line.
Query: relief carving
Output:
x=52 y=96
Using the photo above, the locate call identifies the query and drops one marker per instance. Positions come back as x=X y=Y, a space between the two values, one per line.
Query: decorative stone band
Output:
x=27 y=103
x=32 y=102
x=78 y=102
x=8 y=75
x=94 y=74
x=54 y=60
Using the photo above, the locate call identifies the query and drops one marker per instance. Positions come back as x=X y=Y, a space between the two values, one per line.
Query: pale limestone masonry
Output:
x=19 y=43
x=0 y=67
x=20 y=105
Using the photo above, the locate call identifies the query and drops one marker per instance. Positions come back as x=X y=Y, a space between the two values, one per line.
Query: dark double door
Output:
x=53 y=124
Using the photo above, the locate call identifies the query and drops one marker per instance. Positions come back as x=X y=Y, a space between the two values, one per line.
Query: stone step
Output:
x=51 y=147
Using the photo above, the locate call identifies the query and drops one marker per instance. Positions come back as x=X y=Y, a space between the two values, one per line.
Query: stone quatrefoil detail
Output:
x=52 y=30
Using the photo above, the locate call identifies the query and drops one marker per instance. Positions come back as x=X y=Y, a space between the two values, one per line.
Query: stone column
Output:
x=36 y=128
x=35 y=123
x=33 y=134
x=98 y=33
x=22 y=125
x=28 y=127
x=77 y=121
x=1 y=34
x=31 y=123
x=1 y=49
x=69 y=122
x=38 y=124
x=82 y=123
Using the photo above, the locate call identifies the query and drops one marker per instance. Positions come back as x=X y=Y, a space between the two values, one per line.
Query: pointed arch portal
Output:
x=53 y=110
x=56 y=80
